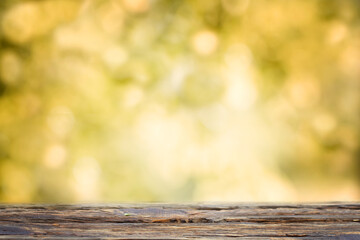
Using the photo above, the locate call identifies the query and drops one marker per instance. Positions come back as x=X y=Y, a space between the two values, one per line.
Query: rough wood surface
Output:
x=189 y=221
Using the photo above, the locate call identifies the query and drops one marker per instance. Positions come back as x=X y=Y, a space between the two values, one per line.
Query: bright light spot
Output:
x=114 y=57
x=136 y=6
x=241 y=93
x=60 y=121
x=350 y=60
x=87 y=173
x=337 y=33
x=303 y=92
x=132 y=97
x=81 y=35
x=19 y=23
x=161 y=137
x=235 y=7
x=214 y=117
x=177 y=77
x=248 y=182
x=157 y=131
x=55 y=156
x=324 y=123
x=205 y=42
x=111 y=17
x=10 y=67
x=24 y=22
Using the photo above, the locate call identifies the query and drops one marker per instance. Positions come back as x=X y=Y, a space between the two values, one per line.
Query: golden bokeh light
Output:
x=205 y=42
x=150 y=100
x=136 y=6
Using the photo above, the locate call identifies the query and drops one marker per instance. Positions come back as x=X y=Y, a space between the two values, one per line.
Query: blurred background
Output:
x=183 y=100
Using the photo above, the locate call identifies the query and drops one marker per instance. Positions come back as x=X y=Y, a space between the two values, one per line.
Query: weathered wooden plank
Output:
x=181 y=221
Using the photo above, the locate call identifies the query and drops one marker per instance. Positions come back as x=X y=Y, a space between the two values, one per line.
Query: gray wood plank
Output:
x=181 y=221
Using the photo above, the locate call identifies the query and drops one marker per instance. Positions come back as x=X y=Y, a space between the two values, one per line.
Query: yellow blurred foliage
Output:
x=139 y=100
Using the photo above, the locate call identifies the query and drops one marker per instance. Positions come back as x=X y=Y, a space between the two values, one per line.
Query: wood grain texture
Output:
x=181 y=221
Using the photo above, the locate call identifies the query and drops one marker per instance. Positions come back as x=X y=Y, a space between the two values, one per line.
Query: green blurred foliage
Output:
x=154 y=100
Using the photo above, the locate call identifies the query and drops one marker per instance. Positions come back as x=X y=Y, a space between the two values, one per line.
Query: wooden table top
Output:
x=181 y=221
